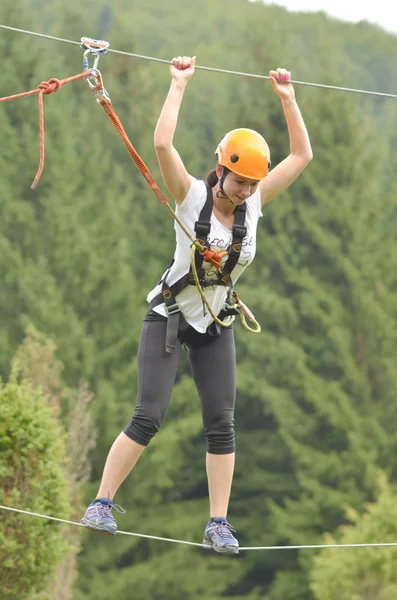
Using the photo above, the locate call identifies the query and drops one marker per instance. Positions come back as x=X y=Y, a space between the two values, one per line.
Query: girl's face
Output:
x=238 y=188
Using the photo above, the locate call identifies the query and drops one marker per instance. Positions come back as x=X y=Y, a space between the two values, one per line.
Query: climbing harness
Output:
x=197 y=274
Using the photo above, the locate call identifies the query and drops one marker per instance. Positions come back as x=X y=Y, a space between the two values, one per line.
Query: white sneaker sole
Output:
x=226 y=550
x=88 y=525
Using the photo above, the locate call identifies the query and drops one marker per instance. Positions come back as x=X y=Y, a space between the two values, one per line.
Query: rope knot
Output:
x=213 y=258
x=47 y=87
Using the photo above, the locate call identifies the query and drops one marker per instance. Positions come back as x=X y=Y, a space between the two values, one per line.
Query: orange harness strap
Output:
x=45 y=87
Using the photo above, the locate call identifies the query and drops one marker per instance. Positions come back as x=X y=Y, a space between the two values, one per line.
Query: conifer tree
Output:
x=359 y=573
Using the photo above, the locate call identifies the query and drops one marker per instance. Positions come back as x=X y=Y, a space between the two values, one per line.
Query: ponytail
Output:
x=212 y=178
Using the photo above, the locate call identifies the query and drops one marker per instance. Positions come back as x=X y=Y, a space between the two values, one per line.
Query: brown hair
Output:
x=212 y=178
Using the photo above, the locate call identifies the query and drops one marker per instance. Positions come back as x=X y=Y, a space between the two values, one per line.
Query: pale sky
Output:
x=380 y=12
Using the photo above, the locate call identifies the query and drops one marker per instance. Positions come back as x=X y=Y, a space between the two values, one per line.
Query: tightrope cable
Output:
x=150 y=537
x=174 y=541
x=202 y=68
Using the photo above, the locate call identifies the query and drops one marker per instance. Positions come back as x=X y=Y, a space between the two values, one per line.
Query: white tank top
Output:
x=220 y=238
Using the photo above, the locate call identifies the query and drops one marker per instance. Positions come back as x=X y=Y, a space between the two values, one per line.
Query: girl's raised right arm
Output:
x=174 y=173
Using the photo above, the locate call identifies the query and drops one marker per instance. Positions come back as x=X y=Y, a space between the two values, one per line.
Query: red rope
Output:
x=45 y=87
x=133 y=153
x=209 y=255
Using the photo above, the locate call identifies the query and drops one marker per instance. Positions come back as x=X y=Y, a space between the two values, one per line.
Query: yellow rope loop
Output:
x=245 y=312
x=257 y=329
x=203 y=296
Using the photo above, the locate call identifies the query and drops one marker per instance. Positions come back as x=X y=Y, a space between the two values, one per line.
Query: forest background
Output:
x=316 y=412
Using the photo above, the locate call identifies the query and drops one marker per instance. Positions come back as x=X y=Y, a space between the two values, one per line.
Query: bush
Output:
x=31 y=478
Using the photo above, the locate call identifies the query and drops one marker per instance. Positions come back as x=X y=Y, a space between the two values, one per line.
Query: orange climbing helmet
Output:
x=245 y=152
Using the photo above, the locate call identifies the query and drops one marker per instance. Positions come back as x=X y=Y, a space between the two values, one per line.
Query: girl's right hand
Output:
x=182 y=68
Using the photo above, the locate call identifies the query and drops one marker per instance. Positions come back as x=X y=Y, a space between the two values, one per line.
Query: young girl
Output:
x=224 y=211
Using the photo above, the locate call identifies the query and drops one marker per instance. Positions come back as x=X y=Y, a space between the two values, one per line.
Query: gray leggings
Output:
x=213 y=364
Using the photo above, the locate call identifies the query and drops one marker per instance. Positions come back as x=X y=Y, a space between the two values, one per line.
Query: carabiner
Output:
x=96 y=88
x=96 y=48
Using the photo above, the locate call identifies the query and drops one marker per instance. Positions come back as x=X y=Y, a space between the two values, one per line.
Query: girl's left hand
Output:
x=285 y=91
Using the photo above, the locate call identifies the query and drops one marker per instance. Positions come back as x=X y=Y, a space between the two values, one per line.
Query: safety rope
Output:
x=44 y=88
x=114 y=119
x=175 y=541
x=215 y=70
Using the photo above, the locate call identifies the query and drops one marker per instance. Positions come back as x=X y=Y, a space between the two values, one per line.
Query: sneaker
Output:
x=98 y=516
x=218 y=535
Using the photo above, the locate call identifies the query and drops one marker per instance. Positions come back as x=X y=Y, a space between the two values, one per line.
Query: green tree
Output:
x=361 y=573
x=32 y=453
x=36 y=363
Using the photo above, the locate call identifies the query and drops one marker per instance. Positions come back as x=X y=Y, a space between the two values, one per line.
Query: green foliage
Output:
x=35 y=362
x=361 y=573
x=32 y=479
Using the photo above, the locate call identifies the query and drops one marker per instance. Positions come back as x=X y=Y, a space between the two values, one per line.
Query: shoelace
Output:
x=105 y=510
x=224 y=529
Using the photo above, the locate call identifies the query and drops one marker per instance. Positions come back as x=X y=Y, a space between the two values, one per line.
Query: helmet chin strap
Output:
x=221 y=192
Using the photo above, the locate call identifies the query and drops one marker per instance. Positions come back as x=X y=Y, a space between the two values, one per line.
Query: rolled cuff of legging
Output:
x=222 y=450
x=141 y=431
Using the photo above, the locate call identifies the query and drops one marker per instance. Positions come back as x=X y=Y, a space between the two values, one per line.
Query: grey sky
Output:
x=381 y=12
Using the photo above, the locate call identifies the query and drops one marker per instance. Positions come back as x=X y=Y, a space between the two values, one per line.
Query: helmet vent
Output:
x=234 y=158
